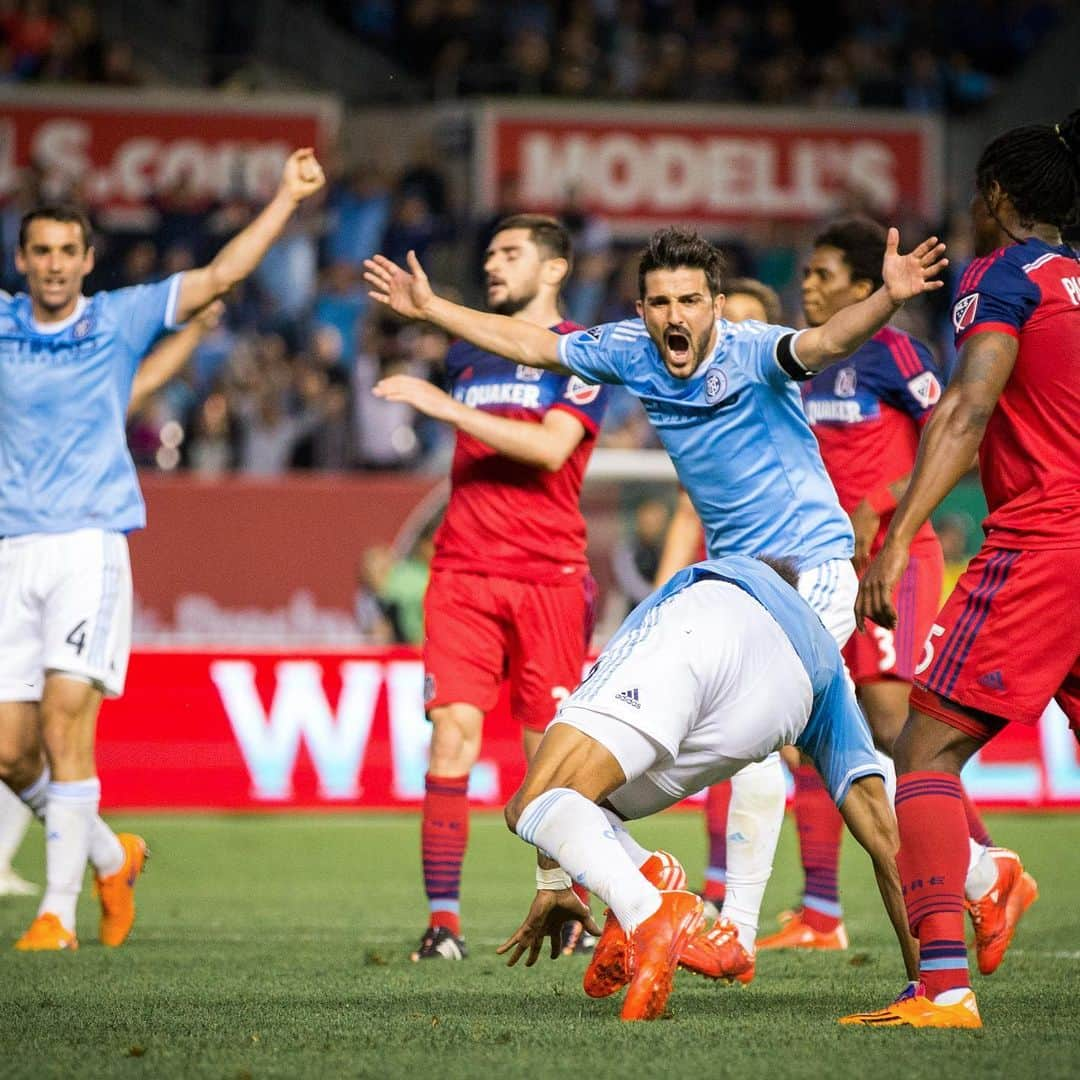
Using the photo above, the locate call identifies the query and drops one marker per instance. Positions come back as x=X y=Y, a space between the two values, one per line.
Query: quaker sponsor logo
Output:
x=925 y=389
x=528 y=374
x=716 y=385
x=833 y=412
x=845 y=384
x=580 y=392
x=522 y=394
x=963 y=312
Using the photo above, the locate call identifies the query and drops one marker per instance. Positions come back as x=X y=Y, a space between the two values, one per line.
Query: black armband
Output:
x=789 y=362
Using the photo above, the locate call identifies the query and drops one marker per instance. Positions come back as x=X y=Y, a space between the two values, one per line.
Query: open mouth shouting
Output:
x=680 y=352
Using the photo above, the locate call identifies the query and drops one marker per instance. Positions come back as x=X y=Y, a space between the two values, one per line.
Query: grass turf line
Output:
x=278 y=947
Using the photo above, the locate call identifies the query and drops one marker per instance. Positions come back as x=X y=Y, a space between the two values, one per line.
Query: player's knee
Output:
x=512 y=811
x=455 y=740
x=19 y=766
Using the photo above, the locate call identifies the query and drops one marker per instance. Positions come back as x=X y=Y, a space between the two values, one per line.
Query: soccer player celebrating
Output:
x=1008 y=638
x=510 y=590
x=867 y=414
x=724 y=400
x=706 y=675
x=68 y=496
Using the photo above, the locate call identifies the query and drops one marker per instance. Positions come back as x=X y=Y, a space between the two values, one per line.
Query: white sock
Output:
x=755 y=817
x=982 y=872
x=565 y=826
x=637 y=853
x=106 y=852
x=69 y=819
x=14 y=818
x=890 y=776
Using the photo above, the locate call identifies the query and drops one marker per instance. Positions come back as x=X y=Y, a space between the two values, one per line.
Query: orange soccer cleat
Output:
x=606 y=972
x=653 y=951
x=47 y=934
x=914 y=1009
x=117 y=891
x=796 y=933
x=995 y=915
x=718 y=954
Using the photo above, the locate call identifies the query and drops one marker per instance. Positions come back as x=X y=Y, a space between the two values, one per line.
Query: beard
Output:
x=510 y=305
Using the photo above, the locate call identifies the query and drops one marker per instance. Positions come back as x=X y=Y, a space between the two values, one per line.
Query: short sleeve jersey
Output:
x=836 y=735
x=1029 y=459
x=867 y=413
x=736 y=433
x=504 y=517
x=64 y=391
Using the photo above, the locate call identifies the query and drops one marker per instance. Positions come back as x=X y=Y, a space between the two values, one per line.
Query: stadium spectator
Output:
x=636 y=556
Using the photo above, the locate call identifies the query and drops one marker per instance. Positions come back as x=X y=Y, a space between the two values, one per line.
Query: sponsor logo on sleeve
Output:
x=963 y=312
x=580 y=392
x=715 y=385
x=925 y=389
x=528 y=374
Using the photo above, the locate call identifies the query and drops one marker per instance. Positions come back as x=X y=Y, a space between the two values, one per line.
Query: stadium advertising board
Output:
x=263 y=730
x=642 y=167
x=120 y=148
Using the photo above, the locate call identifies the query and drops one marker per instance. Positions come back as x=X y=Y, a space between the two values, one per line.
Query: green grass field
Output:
x=278 y=946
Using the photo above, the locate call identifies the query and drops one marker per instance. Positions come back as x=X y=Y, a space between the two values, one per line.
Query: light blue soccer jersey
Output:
x=64 y=462
x=836 y=736
x=737 y=434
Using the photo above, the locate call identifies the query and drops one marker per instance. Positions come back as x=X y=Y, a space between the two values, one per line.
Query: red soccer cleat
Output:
x=995 y=915
x=117 y=891
x=718 y=954
x=798 y=934
x=653 y=951
x=606 y=972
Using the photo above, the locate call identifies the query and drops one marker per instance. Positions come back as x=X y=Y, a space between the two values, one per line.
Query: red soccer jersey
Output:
x=505 y=518
x=1030 y=454
x=867 y=413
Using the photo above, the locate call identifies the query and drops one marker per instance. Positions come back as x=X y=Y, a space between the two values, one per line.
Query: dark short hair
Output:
x=766 y=297
x=784 y=567
x=63 y=213
x=862 y=243
x=675 y=247
x=549 y=234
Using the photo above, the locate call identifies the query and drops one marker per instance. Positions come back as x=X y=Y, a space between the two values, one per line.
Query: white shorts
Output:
x=65 y=606
x=830 y=589
x=712 y=682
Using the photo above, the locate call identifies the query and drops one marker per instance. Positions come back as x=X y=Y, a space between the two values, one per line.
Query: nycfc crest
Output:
x=82 y=328
x=715 y=385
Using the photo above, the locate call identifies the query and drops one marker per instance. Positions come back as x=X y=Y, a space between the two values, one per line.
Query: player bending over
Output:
x=715 y=670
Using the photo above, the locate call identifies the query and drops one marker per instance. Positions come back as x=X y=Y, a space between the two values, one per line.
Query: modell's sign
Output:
x=644 y=167
x=120 y=148
x=272 y=728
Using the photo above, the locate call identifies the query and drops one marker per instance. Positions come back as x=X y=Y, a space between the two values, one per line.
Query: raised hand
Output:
x=917 y=272
x=302 y=175
x=406 y=292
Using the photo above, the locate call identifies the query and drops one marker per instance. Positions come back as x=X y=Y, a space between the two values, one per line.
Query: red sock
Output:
x=717 y=801
x=581 y=893
x=976 y=826
x=444 y=832
x=820 y=827
x=933 y=863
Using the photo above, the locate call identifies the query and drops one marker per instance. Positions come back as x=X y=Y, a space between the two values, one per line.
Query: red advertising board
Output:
x=119 y=148
x=642 y=167
x=263 y=730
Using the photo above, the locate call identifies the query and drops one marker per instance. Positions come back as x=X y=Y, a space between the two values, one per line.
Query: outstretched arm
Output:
x=950 y=440
x=869 y=817
x=905 y=276
x=169 y=357
x=301 y=178
x=409 y=294
x=546 y=445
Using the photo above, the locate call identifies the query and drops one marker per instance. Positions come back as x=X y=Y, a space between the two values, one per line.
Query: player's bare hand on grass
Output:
x=302 y=175
x=875 y=598
x=550 y=910
x=864 y=523
x=419 y=393
x=917 y=272
x=406 y=292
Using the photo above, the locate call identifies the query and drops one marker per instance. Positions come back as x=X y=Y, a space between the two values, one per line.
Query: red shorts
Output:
x=1006 y=642
x=878 y=653
x=480 y=630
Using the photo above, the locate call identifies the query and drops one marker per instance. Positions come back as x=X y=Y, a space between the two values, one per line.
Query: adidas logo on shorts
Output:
x=630 y=697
